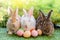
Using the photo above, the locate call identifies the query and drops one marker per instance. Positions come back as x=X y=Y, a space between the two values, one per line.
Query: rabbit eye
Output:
x=41 y=22
x=44 y=22
x=16 y=19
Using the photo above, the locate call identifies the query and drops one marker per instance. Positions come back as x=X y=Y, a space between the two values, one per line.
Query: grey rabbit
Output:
x=44 y=23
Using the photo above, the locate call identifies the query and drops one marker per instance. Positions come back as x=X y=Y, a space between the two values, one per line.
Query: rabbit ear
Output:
x=16 y=11
x=41 y=14
x=9 y=10
x=25 y=12
x=14 y=15
x=49 y=14
x=31 y=11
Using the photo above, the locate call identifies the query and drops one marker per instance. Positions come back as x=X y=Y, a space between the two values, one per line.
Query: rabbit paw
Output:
x=9 y=32
x=49 y=34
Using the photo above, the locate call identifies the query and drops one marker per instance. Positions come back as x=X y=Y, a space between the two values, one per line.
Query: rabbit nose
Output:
x=13 y=25
x=25 y=26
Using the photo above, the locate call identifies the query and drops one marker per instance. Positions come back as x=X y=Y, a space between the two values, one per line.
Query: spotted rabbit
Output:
x=44 y=23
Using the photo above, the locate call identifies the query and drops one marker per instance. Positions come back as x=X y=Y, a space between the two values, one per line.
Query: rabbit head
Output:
x=28 y=21
x=44 y=23
x=13 y=14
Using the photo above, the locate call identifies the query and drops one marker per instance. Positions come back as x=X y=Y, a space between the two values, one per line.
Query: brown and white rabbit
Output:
x=44 y=23
x=13 y=23
x=28 y=21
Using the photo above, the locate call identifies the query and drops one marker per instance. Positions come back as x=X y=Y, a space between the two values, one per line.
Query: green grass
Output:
x=5 y=36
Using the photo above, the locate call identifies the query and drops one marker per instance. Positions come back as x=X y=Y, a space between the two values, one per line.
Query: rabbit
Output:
x=28 y=21
x=14 y=21
x=44 y=23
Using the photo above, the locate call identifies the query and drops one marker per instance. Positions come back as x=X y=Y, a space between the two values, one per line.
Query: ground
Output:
x=5 y=36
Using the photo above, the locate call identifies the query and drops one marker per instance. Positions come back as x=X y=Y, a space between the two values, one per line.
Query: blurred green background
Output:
x=45 y=5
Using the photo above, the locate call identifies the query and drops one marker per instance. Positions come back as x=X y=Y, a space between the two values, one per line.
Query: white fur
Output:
x=28 y=20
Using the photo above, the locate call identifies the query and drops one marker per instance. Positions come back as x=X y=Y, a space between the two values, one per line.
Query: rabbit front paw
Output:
x=9 y=32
